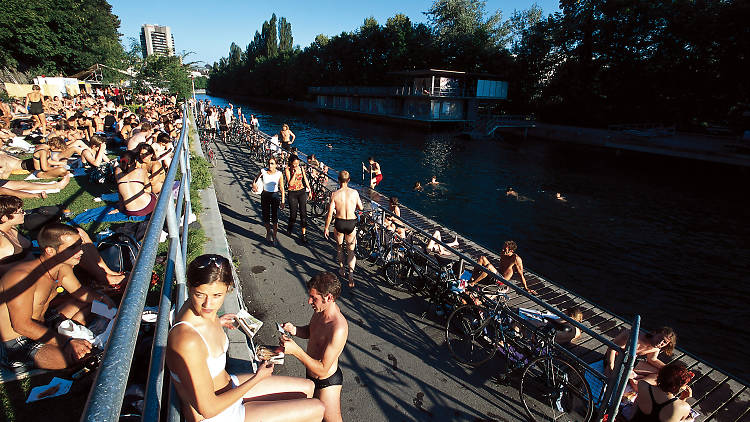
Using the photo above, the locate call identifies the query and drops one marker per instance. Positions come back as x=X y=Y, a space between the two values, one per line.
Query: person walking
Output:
x=299 y=192
x=272 y=185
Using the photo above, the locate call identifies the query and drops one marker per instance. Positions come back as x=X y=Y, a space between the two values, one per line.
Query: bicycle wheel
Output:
x=319 y=204
x=365 y=240
x=469 y=337
x=397 y=275
x=553 y=390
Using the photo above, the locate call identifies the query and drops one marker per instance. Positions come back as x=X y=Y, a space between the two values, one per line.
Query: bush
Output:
x=201 y=172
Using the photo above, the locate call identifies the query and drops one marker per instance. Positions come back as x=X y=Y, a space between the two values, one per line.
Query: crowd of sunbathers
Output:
x=51 y=271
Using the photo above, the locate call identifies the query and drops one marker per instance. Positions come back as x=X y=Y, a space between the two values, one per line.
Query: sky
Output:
x=208 y=27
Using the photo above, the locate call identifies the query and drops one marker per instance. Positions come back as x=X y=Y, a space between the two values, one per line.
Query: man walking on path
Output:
x=327 y=333
x=344 y=202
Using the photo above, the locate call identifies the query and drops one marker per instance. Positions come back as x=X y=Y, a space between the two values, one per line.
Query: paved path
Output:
x=396 y=365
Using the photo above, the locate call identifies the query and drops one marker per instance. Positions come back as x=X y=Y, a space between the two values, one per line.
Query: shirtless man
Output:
x=142 y=136
x=326 y=334
x=8 y=163
x=26 y=291
x=286 y=137
x=344 y=202
x=375 y=175
x=510 y=260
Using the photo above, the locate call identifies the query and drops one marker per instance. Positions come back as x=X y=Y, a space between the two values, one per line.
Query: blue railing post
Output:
x=105 y=399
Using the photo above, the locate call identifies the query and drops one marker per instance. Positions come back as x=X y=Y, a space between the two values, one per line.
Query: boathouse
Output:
x=424 y=97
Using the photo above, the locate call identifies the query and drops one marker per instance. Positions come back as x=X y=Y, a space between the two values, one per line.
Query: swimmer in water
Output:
x=434 y=181
x=519 y=198
x=330 y=146
x=418 y=187
x=560 y=198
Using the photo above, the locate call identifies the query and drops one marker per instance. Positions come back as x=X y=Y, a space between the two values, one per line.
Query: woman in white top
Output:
x=196 y=356
x=273 y=183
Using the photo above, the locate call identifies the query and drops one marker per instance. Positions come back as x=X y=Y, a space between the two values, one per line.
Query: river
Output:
x=663 y=238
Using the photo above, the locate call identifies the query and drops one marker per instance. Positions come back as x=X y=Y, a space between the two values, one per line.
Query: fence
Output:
x=107 y=393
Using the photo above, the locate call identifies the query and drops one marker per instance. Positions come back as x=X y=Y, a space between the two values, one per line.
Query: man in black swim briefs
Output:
x=344 y=202
x=327 y=333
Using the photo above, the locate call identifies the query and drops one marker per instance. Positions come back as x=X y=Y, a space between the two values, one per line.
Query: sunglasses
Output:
x=211 y=260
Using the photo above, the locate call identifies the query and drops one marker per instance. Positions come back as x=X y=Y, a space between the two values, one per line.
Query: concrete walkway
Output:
x=396 y=365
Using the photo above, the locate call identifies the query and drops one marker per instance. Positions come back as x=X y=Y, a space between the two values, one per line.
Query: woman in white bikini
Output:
x=196 y=357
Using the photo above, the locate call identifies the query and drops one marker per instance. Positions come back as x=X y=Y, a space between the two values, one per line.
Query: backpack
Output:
x=119 y=251
x=105 y=173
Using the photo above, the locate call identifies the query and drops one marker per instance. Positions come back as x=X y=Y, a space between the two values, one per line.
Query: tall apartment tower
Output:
x=157 y=39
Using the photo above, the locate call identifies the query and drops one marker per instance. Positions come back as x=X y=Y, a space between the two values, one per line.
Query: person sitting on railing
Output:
x=665 y=402
x=28 y=322
x=650 y=345
x=196 y=357
x=134 y=187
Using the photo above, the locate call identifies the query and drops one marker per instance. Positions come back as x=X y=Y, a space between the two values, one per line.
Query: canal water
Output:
x=663 y=238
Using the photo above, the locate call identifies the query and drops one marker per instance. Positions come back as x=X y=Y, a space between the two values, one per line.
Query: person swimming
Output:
x=520 y=198
x=418 y=187
x=434 y=181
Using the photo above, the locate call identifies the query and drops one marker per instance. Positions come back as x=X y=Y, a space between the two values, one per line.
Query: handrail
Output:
x=105 y=398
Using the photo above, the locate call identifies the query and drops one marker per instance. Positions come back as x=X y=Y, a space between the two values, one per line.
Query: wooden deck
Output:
x=716 y=395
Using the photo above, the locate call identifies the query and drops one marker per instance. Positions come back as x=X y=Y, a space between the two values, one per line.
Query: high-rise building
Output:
x=157 y=39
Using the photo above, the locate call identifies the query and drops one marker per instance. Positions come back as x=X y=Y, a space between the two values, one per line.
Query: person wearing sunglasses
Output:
x=272 y=180
x=196 y=357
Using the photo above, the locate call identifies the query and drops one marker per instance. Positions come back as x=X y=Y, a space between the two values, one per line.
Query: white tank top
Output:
x=270 y=181
x=215 y=364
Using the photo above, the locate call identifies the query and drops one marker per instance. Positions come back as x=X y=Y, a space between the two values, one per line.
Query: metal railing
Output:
x=614 y=385
x=108 y=391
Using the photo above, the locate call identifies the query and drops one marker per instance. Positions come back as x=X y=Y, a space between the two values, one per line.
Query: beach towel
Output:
x=102 y=214
x=597 y=386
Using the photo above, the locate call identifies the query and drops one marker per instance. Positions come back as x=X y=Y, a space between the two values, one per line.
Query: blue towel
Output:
x=110 y=197
x=596 y=385
x=101 y=214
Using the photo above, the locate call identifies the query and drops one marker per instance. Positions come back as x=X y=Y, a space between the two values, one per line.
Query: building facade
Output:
x=157 y=39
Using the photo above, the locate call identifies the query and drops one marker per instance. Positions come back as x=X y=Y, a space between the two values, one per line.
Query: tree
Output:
x=63 y=36
x=285 y=35
x=268 y=33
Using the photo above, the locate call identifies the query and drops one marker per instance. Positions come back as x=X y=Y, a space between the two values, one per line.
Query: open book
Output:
x=247 y=323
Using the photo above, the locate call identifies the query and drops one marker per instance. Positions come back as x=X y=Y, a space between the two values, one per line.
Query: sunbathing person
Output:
x=647 y=351
x=14 y=247
x=196 y=357
x=435 y=247
x=510 y=261
x=28 y=325
x=134 y=186
x=48 y=160
x=394 y=224
x=163 y=150
x=665 y=402
x=156 y=170
x=9 y=163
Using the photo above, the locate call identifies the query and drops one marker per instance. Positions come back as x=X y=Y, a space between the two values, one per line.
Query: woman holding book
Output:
x=196 y=356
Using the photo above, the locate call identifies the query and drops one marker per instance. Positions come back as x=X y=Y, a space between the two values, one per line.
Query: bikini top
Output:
x=215 y=364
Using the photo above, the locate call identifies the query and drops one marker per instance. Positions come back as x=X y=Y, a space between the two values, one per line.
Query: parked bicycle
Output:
x=551 y=388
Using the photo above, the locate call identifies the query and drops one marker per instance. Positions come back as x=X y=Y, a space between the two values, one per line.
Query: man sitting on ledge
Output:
x=28 y=326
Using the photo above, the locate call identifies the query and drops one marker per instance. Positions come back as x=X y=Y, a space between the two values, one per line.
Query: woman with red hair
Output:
x=665 y=402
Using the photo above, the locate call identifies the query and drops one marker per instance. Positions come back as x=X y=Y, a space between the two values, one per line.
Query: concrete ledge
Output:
x=240 y=356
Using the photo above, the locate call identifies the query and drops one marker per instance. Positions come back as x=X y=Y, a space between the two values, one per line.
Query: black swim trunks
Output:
x=336 y=379
x=345 y=226
x=19 y=353
x=28 y=164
